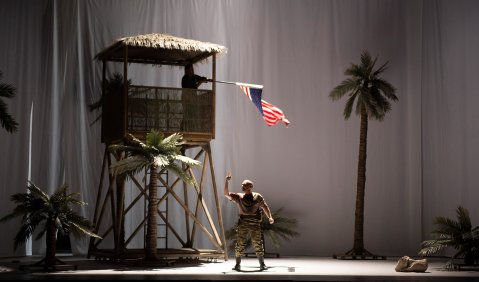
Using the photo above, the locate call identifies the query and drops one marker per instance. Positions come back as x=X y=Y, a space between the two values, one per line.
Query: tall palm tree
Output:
x=52 y=212
x=6 y=120
x=157 y=154
x=371 y=94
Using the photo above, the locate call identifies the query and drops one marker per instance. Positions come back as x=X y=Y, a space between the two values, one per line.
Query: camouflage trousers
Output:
x=249 y=226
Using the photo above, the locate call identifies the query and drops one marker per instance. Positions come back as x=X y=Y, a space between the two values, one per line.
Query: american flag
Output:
x=271 y=114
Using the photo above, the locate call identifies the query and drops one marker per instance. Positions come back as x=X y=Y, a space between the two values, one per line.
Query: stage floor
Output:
x=280 y=269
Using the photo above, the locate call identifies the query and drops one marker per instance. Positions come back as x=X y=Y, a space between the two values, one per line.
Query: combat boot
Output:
x=238 y=264
x=262 y=266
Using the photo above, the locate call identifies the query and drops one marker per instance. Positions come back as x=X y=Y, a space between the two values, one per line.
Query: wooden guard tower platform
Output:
x=137 y=109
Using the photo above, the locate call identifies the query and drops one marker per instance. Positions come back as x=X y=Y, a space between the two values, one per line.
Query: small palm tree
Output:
x=113 y=86
x=157 y=154
x=7 y=121
x=371 y=94
x=53 y=212
x=282 y=229
x=457 y=234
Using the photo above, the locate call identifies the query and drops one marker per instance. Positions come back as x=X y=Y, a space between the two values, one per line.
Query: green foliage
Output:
x=456 y=234
x=366 y=88
x=158 y=151
x=283 y=228
x=36 y=207
x=113 y=85
x=6 y=120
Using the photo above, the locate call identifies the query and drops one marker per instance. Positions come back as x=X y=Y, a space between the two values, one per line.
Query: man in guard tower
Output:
x=190 y=79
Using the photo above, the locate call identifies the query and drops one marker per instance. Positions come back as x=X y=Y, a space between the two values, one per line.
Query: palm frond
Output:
x=7 y=90
x=6 y=120
x=187 y=160
x=174 y=139
x=386 y=88
x=81 y=229
x=58 y=198
x=131 y=149
x=355 y=71
x=154 y=138
x=178 y=171
x=349 y=105
x=367 y=63
x=345 y=87
x=133 y=164
x=376 y=105
x=274 y=238
x=445 y=225
x=21 y=198
x=41 y=233
x=112 y=85
x=464 y=220
x=171 y=144
x=381 y=69
x=161 y=161
x=72 y=199
x=359 y=104
x=131 y=140
x=380 y=101
x=79 y=225
x=25 y=232
x=430 y=247
x=37 y=192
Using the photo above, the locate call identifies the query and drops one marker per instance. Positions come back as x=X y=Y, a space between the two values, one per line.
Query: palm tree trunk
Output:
x=469 y=258
x=120 y=196
x=358 y=247
x=151 y=229
x=51 y=238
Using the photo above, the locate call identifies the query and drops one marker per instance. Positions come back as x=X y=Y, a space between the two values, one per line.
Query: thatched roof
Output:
x=161 y=49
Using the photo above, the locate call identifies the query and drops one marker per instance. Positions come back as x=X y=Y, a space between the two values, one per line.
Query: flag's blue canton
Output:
x=271 y=114
x=255 y=94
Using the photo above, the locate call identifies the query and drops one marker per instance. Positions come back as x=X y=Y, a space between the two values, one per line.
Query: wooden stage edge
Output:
x=166 y=254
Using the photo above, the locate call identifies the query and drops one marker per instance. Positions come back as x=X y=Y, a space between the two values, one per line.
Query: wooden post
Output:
x=187 y=218
x=213 y=114
x=125 y=90
x=217 y=202
x=98 y=196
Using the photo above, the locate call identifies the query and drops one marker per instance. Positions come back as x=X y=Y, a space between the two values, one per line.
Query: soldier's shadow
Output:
x=252 y=269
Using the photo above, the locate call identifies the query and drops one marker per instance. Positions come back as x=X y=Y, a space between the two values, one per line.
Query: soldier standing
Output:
x=250 y=205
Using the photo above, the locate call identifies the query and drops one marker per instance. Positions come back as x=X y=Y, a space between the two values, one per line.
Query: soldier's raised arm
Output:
x=226 y=190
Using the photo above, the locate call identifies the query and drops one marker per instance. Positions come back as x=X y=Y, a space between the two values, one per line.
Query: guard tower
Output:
x=137 y=109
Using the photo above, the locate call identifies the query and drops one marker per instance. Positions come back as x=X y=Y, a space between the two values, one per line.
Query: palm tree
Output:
x=157 y=154
x=371 y=94
x=53 y=212
x=7 y=121
x=113 y=86
x=457 y=234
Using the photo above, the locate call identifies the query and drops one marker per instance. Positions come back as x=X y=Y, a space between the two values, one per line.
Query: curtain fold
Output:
x=421 y=158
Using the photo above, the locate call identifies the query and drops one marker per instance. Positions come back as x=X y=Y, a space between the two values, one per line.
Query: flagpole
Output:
x=239 y=83
x=226 y=82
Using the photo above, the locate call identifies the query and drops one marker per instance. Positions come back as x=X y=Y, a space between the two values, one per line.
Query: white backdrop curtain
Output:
x=421 y=158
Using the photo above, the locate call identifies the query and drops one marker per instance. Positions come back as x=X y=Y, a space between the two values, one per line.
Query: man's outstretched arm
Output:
x=268 y=213
x=226 y=190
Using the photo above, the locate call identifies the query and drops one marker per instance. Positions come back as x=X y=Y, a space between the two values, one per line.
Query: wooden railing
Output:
x=170 y=110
